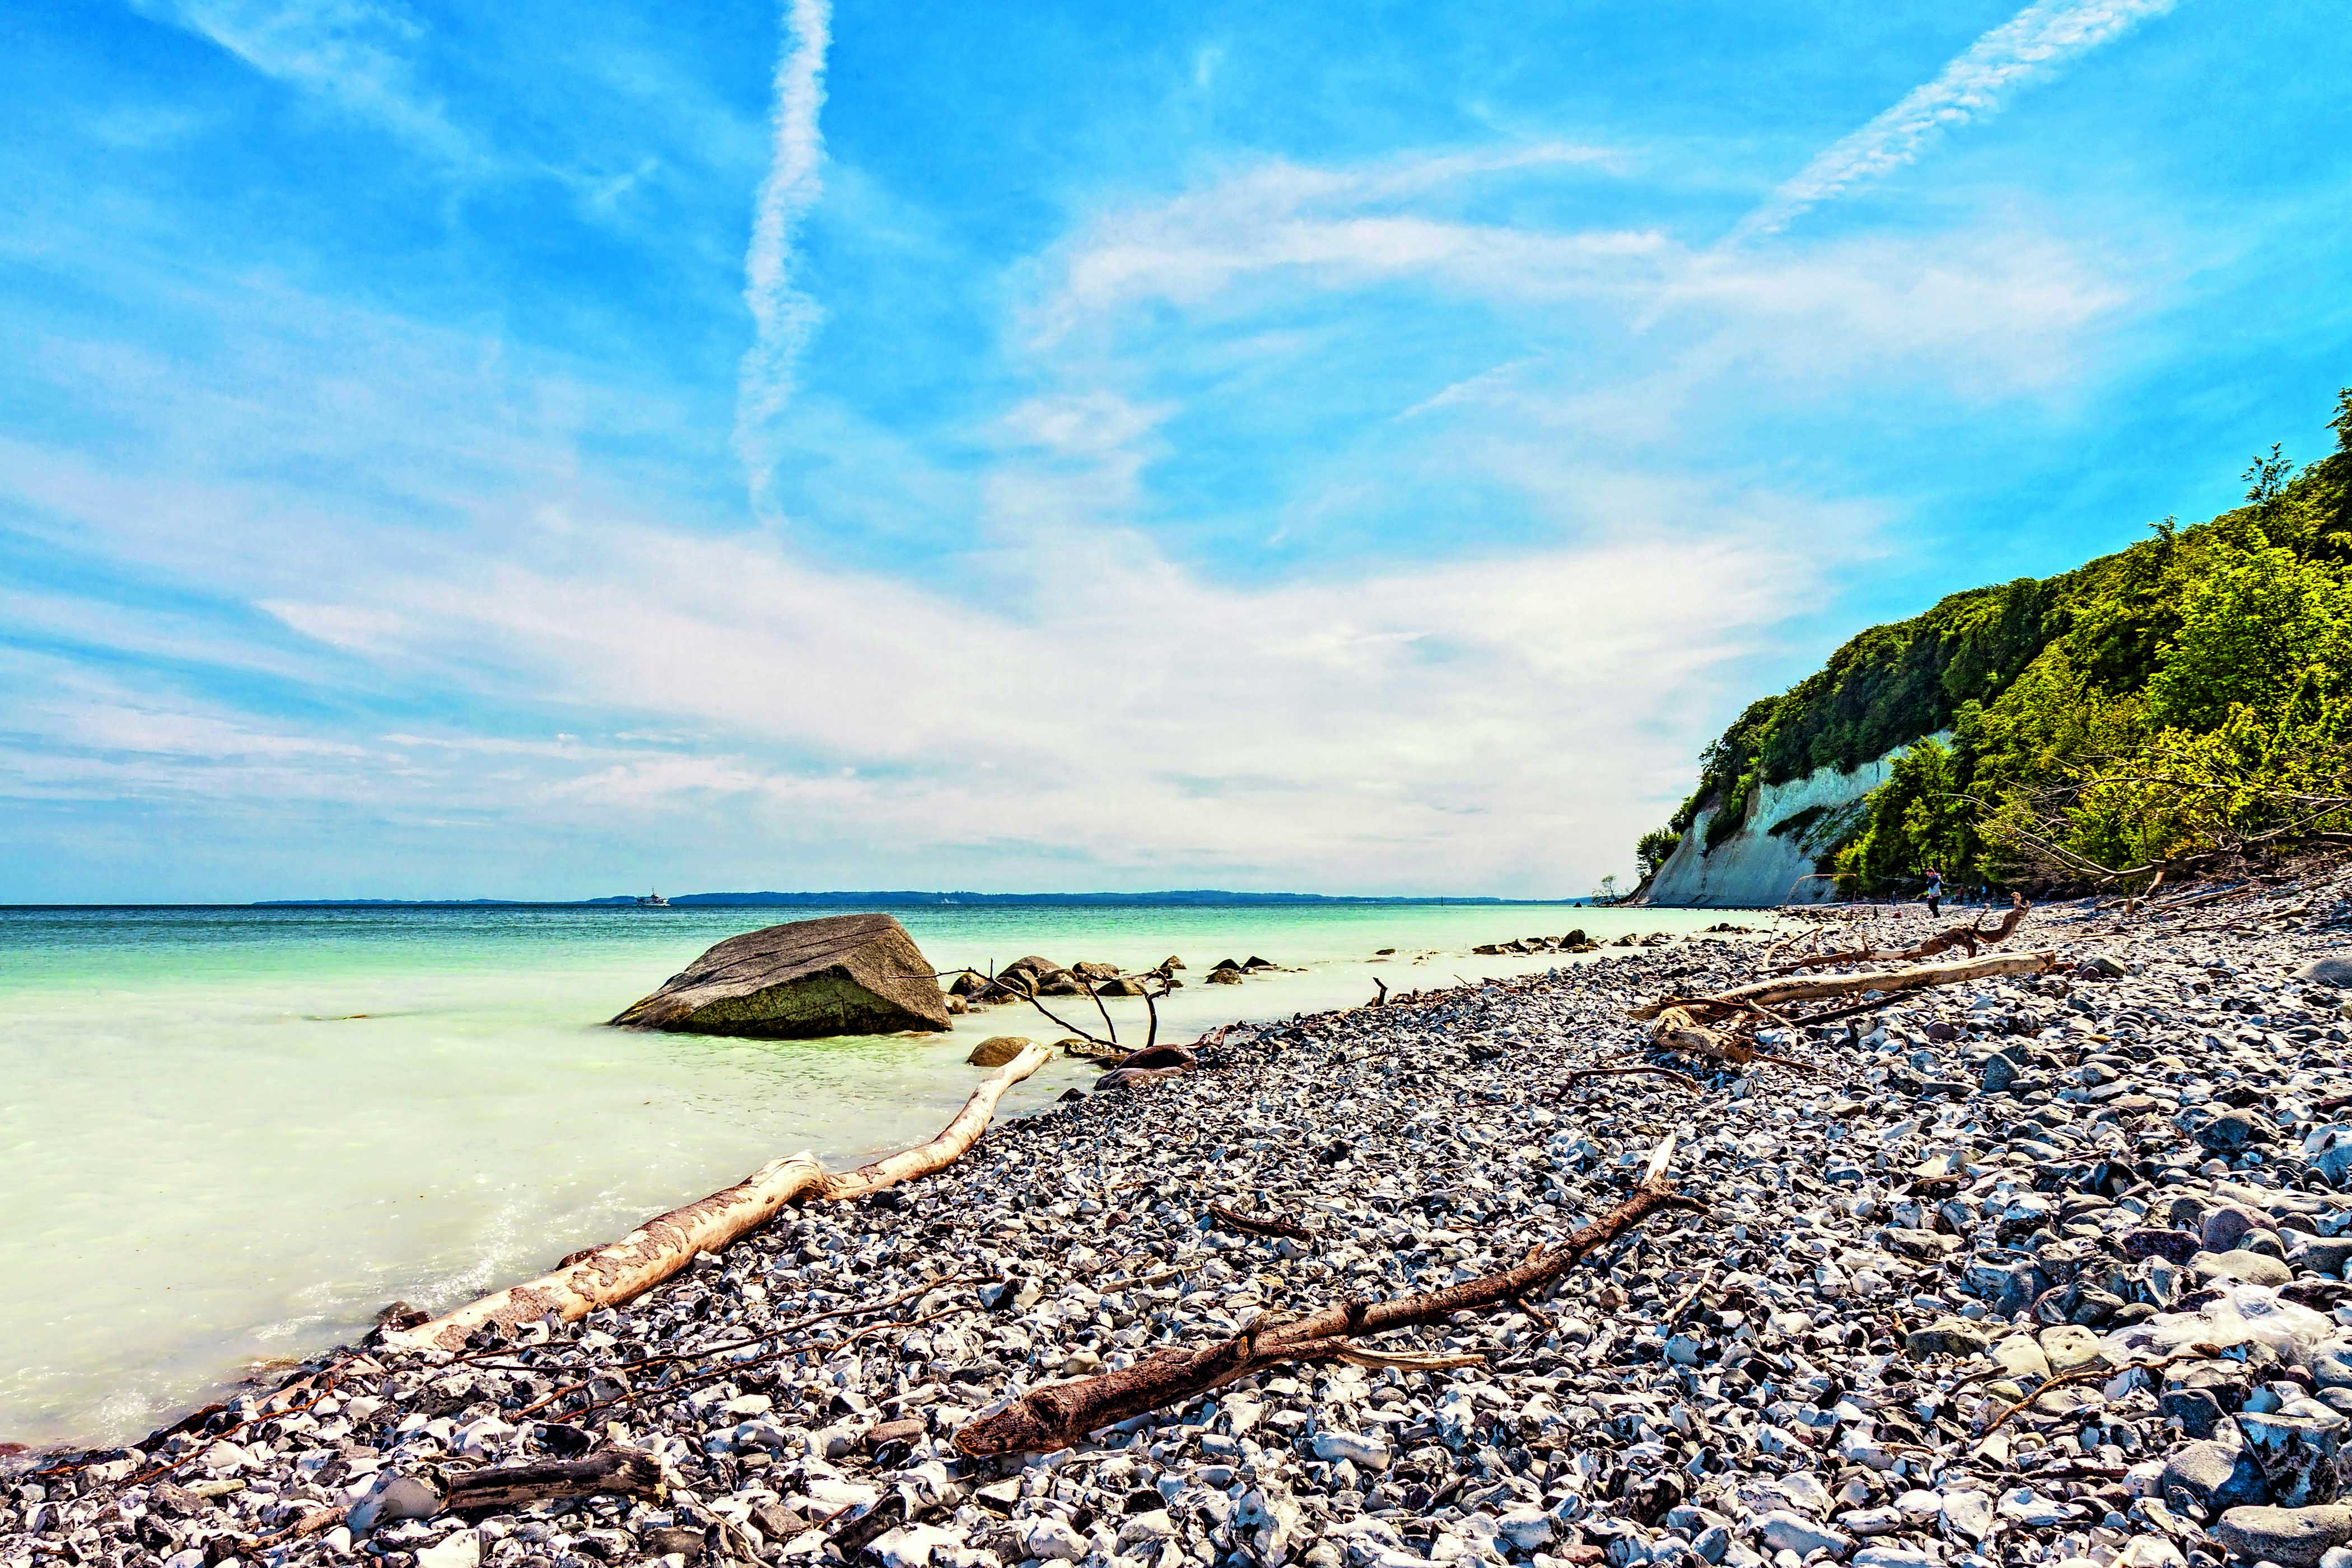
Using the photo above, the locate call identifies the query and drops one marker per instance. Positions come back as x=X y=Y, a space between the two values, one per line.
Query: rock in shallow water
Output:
x=843 y=974
x=997 y=1050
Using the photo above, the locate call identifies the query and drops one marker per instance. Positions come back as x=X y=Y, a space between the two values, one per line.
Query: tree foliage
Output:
x=2190 y=690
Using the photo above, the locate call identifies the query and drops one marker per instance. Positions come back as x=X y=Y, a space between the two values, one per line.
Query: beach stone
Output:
x=2021 y=1358
x=2296 y=1452
x=464 y=1550
x=2071 y=1347
x=2321 y=1255
x=663 y=1539
x=1050 y=1540
x=2328 y=1151
x=1030 y=969
x=1967 y=1512
x=2246 y=1267
x=2210 y=1476
x=2029 y=1506
x=2199 y=1413
x=1895 y=1557
x=2334 y=969
x=1525 y=1528
x=1947 y=1336
x=2172 y=1245
x=997 y=1050
x=1224 y=977
x=2331 y=1364
x=1784 y=1529
x=843 y=975
x=2292 y=1537
x=889 y=1441
x=394 y=1499
x=1364 y=1453
x=1141 y=1529
x=2228 y=1224
x=2235 y=1132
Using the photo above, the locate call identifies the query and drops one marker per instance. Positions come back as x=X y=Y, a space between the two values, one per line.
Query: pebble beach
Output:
x=2123 y=1181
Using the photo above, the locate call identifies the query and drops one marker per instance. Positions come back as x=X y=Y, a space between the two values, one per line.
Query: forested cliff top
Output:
x=2162 y=702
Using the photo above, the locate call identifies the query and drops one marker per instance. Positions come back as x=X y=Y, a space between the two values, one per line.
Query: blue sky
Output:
x=540 y=450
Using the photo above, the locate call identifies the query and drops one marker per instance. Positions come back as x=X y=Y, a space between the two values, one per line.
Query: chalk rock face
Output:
x=845 y=974
x=1768 y=858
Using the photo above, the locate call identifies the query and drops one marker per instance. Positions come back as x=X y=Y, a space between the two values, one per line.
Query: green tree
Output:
x=1657 y=846
x=2252 y=626
x=1918 y=817
x=2267 y=478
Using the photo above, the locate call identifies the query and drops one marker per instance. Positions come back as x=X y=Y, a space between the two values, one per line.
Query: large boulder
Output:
x=845 y=974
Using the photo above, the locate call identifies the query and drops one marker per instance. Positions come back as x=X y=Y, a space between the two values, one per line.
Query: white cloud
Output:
x=1994 y=306
x=1123 y=710
x=2028 y=47
x=783 y=317
x=1332 y=227
x=356 y=54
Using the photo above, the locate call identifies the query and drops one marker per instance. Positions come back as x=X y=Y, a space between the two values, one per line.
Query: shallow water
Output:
x=234 y=1133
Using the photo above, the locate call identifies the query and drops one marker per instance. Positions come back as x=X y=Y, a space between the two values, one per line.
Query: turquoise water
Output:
x=234 y=1133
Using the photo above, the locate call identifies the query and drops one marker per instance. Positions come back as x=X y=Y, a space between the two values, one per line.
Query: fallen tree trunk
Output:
x=613 y=1471
x=945 y=1150
x=1766 y=994
x=608 y=1276
x=608 y=1471
x=1968 y=937
x=1061 y=1414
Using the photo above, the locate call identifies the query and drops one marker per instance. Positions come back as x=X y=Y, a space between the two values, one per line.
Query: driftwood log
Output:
x=623 y=1471
x=1968 y=938
x=1770 y=993
x=1061 y=1415
x=1679 y=1031
x=1686 y=1025
x=608 y=1276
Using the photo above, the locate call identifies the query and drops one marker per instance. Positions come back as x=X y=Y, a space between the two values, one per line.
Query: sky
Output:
x=539 y=451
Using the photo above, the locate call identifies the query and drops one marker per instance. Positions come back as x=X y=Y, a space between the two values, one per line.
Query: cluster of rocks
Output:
x=1035 y=976
x=1577 y=942
x=2121 y=1183
x=1573 y=942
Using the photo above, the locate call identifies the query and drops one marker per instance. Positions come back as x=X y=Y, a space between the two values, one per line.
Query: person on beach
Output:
x=1934 y=891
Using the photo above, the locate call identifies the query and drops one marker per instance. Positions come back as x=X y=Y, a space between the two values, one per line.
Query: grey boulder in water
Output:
x=845 y=974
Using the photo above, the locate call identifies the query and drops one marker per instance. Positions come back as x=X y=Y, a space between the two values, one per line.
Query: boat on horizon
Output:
x=653 y=901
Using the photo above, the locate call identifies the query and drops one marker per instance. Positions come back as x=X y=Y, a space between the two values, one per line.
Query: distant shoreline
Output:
x=902 y=900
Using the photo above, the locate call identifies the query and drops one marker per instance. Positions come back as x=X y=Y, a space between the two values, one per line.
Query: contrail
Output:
x=783 y=317
x=2028 y=46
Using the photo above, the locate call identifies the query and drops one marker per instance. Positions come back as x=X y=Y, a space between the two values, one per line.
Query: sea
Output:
x=231 y=1135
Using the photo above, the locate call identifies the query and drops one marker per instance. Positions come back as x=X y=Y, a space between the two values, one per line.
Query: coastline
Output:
x=1656 y=1399
x=443 y=1092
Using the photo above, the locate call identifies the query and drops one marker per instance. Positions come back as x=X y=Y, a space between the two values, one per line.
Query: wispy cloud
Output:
x=1332 y=227
x=2029 y=47
x=356 y=54
x=1267 y=243
x=783 y=317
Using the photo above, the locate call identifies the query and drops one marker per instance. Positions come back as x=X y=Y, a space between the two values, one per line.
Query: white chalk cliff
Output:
x=1756 y=868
